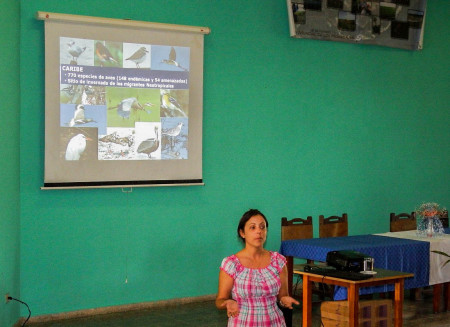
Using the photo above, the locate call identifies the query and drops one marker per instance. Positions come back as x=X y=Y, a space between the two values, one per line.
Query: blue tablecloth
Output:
x=388 y=253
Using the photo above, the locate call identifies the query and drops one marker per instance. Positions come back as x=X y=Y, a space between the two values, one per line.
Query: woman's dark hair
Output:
x=245 y=217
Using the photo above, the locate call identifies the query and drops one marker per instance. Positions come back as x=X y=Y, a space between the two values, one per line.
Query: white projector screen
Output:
x=123 y=102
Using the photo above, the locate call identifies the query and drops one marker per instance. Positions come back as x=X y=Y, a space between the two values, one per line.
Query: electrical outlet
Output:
x=6 y=297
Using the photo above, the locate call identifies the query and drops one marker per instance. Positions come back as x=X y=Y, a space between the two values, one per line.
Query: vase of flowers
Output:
x=428 y=222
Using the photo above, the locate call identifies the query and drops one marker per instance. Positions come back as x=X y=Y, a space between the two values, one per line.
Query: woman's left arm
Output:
x=283 y=296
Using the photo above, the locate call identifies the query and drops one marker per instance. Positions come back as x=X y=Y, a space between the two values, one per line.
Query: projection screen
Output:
x=123 y=102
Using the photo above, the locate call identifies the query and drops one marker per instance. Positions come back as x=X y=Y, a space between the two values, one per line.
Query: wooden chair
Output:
x=333 y=226
x=399 y=223
x=444 y=218
x=403 y=222
x=296 y=228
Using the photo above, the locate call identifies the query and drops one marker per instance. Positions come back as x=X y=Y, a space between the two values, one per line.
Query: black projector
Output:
x=346 y=260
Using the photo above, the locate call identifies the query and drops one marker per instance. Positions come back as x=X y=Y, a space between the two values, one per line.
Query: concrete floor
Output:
x=204 y=314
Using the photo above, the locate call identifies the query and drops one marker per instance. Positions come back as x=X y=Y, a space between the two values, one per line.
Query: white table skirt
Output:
x=438 y=272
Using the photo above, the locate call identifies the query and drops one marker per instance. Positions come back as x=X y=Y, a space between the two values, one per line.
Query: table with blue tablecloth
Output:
x=439 y=271
x=391 y=253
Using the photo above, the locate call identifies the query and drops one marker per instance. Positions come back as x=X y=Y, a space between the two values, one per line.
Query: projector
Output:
x=347 y=260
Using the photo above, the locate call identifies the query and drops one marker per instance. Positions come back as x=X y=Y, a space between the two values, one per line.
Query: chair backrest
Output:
x=444 y=218
x=333 y=226
x=296 y=228
x=403 y=222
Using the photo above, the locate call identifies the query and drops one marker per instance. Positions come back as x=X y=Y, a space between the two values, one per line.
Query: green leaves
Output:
x=443 y=253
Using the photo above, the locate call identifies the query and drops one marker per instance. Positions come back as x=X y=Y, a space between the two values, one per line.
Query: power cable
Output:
x=29 y=311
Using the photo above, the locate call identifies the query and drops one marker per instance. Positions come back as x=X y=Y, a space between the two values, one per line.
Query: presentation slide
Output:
x=123 y=103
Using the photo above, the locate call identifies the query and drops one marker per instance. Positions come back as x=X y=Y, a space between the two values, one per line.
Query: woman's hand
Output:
x=232 y=308
x=223 y=299
x=284 y=298
x=287 y=302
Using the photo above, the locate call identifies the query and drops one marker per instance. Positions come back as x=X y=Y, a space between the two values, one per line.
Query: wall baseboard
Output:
x=115 y=309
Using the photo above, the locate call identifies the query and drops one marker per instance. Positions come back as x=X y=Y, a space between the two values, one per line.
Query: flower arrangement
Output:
x=429 y=210
x=429 y=224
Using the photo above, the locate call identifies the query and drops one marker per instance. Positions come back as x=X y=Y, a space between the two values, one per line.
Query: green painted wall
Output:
x=292 y=127
x=9 y=161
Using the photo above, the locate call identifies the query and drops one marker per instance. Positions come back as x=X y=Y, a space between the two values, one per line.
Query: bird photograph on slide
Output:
x=136 y=55
x=78 y=144
x=108 y=54
x=148 y=141
x=174 y=103
x=170 y=58
x=74 y=51
x=82 y=94
x=174 y=138
x=79 y=118
x=117 y=144
x=129 y=105
x=76 y=147
x=79 y=115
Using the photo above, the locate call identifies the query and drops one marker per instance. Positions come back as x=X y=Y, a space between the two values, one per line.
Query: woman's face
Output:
x=255 y=231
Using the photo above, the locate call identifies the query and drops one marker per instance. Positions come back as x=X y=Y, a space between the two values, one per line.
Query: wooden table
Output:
x=385 y=250
x=382 y=277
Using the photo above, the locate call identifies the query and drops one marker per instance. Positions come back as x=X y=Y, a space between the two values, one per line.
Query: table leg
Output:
x=290 y=268
x=437 y=295
x=398 y=303
x=447 y=296
x=353 y=303
x=307 y=302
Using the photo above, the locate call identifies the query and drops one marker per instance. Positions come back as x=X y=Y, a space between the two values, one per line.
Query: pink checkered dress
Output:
x=255 y=291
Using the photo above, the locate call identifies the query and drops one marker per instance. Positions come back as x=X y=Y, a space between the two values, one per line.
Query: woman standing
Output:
x=254 y=279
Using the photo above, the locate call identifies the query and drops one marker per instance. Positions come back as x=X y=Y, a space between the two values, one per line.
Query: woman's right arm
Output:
x=223 y=299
